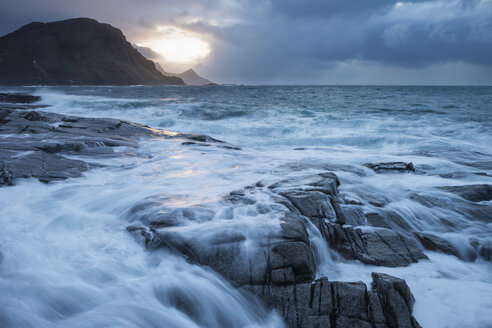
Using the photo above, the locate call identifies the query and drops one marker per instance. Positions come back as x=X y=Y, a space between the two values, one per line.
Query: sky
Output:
x=292 y=41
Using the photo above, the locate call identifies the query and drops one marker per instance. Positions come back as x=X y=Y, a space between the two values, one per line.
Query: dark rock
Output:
x=377 y=220
x=60 y=147
x=3 y=114
x=281 y=257
x=382 y=247
x=313 y=204
x=347 y=322
x=296 y=255
x=145 y=235
x=21 y=106
x=478 y=164
x=354 y=215
x=485 y=251
x=461 y=175
x=34 y=144
x=396 y=300
x=475 y=211
x=200 y=138
x=239 y=197
x=283 y=276
x=231 y=147
x=387 y=219
x=341 y=304
x=33 y=116
x=301 y=305
x=473 y=193
x=70 y=119
x=325 y=182
x=437 y=244
x=15 y=98
x=350 y=299
x=154 y=214
x=352 y=201
x=396 y=220
x=374 y=199
x=375 y=309
x=191 y=143
x=280 y=268
x=377 y=247
x=77 y=51
x=294 y=228
x=42 y=166
x=340 y=219
x=314 y=196
x=328 y=168
x=391 y=167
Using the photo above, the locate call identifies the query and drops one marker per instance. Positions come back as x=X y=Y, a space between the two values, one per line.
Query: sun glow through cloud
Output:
x=178 y=46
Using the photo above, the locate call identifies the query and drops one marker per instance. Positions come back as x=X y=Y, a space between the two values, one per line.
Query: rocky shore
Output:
x=281 y=268
x=39 y=144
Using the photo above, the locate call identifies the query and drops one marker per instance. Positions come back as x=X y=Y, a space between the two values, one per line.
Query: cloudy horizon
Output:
x=289 y=42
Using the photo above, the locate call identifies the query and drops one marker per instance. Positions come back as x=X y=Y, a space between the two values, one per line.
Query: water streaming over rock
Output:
x=68 y=259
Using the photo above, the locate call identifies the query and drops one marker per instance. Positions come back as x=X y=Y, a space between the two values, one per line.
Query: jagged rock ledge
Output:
x=336 y=304
x=391 y=167
x=36 y=143
x=18 y=98
x=281 y=270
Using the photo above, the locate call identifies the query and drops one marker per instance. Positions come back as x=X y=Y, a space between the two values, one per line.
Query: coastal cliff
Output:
x=77 y=51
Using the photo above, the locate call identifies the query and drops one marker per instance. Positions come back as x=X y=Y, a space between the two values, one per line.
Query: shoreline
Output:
x=286 y=261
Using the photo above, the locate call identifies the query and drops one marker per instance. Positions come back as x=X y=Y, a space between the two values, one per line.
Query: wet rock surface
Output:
x=276 y=260
x=280 y=267
x=313 y=196
x=473 y=211
x=382 y=247
x=321 y=205
x=39 y=144
x=437 y=244
x=323 y=303
x=391 y=167
x=282 y=254
x=486 y=251
x=21 y=98
x=396 y=300
x=473 y=193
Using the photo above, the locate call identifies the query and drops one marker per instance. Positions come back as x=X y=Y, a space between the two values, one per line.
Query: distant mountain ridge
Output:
x=189 y=77
x=78 y=51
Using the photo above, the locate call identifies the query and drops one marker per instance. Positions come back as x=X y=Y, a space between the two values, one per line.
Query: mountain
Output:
x=78 y=51
x=192 y=78
x=189 y=77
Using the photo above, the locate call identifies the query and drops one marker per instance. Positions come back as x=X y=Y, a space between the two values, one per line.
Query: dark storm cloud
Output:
x=262 y=41
x=295 y=36
x=325 y=9
x=125 y=14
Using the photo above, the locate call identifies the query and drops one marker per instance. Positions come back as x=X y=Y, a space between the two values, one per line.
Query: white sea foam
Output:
x=68 y=260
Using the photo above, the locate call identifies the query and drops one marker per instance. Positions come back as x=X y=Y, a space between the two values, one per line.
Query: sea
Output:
x=68 y=260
